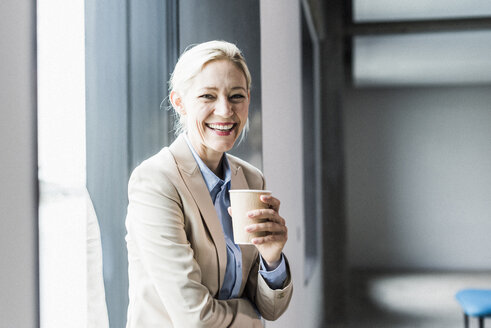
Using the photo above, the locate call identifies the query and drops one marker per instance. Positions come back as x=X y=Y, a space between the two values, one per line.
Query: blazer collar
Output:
x=196 y=185
x=238 y=180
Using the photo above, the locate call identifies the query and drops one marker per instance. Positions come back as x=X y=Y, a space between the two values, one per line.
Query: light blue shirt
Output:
x=218 y=189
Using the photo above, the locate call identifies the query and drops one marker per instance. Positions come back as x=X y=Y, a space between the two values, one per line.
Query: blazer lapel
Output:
x=196 y=185
x=238 y=180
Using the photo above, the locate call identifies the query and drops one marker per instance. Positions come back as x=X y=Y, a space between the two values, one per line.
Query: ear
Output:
x=177 y=103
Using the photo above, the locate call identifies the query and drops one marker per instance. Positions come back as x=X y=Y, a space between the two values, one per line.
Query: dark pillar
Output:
x=330 y=21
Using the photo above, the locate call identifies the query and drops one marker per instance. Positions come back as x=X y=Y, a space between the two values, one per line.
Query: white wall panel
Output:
x=282 y=147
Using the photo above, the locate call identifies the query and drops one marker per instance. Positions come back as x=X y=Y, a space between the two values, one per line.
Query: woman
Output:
x=184 y=269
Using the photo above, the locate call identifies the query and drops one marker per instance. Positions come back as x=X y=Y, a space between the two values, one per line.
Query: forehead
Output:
x=220 y=73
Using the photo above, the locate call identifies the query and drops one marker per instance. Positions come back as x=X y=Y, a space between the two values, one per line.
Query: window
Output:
x=61 y=160
x=440 y=42
x=423 y=59
x=390 y=10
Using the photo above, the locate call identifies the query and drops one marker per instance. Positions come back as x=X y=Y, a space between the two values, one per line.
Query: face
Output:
x=215 y=108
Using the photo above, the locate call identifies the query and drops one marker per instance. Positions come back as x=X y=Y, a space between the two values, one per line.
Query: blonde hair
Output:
x=192 y=62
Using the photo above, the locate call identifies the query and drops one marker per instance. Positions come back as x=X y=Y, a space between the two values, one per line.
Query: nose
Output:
x=223 y=108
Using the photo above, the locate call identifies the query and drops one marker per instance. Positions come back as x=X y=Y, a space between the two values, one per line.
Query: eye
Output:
x=207 y=96
x=237 y=97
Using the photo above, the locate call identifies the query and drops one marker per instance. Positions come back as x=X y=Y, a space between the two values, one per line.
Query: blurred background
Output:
x=370 y=120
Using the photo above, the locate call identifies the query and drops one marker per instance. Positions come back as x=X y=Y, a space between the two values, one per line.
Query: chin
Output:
x=222 y=145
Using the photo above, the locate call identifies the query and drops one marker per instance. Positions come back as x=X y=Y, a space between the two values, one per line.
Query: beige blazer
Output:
x=177 y=252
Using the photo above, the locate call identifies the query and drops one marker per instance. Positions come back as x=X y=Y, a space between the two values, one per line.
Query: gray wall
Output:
x=18 y=166
x=418 y=177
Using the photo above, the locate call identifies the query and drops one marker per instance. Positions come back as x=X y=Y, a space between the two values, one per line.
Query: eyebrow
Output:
x=215 y=88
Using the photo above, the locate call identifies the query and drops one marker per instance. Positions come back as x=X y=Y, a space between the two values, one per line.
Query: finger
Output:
x=229 y=209
x=263 y=213
x=270 y=227
x=268 y=239
x=273 y=202
x=269 y=214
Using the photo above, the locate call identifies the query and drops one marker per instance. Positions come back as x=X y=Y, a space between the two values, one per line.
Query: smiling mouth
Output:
x=222 y=127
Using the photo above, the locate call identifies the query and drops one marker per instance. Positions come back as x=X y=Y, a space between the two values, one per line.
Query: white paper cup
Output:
x=242 y=201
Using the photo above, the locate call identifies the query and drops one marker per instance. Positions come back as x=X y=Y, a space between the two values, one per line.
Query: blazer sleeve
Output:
x=155 y=224
x=271 y=303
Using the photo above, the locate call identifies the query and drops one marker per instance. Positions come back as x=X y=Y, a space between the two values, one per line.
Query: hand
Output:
x=271 y=245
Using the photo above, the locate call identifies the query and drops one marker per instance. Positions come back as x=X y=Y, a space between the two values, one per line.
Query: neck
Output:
x=215 y=165
x=211 y=158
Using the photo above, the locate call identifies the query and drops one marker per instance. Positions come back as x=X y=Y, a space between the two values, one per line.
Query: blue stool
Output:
x=475 y=303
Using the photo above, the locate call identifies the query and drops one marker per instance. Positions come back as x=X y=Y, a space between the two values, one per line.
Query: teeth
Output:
x=222 y=127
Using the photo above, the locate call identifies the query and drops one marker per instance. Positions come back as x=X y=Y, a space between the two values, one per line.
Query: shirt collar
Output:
x=210 y=178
